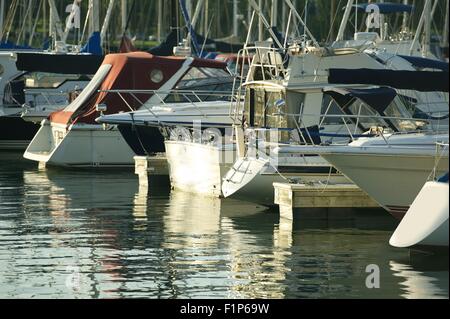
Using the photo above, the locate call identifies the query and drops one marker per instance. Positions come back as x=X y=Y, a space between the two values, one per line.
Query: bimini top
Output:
x=126 y=71
x=387 y=7
x=58 y=63
x=378 y=98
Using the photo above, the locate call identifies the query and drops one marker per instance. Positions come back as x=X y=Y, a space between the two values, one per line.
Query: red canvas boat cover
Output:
x=129 y=71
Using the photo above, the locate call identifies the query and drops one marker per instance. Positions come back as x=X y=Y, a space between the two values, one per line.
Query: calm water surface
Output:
x=84 y=234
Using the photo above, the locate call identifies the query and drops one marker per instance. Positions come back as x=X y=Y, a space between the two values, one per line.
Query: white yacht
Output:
x=297 y=76
x=390 y=168
x=72 y=138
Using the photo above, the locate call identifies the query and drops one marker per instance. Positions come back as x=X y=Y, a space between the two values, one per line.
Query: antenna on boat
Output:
x=105 y=25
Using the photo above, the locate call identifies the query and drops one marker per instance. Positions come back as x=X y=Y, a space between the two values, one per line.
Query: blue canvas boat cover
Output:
x=443 y=179
x=424 y=81
x=377 y=98
x=420 y=62
x=93 y=46
x=7 y=45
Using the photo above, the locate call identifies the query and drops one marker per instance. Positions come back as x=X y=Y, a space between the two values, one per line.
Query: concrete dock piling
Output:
x=292 y=197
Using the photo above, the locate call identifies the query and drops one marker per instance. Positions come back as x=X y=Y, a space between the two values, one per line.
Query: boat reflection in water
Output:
x=75 y=234
x=422 y=280
x=78 y=213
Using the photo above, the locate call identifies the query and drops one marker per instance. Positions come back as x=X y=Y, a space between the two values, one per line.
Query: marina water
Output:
x=88 y=234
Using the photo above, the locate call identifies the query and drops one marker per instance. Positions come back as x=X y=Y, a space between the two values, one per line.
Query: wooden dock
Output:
x=292 y=197
x=145 y=166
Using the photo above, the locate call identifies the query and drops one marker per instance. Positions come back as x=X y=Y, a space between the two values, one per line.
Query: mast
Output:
x=198 y=10
x=405 y=17
x=274 y=15
x=195 y=18
x=264 y=21
x=446 y=26
x=174 y=17
x=73 y=14
x=427 y=35
x=44 y=11
x=419 y=26
x=107 y=20
x=235 y=18
x=283 y=16
x=260 y=24
x=124 y=14
x=94 y=22
x=348 y=10
x=332 y=15
x=206 y=18
x=296 y=14
x=2 y=15
x=50 y=20
x=189 y=7
x=55 y=22
x=160 y=18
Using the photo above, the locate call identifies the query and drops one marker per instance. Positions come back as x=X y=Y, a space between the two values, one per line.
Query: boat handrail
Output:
x=163 y=94
x=355 y=116
x=309 y=137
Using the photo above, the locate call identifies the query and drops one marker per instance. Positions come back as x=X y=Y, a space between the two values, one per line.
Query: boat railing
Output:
x=191 y=97
x=308 y=134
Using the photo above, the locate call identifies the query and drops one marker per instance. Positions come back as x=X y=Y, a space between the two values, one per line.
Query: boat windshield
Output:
x=195 y=73
x=366 y=116
x=201 y=90
x=50 y=80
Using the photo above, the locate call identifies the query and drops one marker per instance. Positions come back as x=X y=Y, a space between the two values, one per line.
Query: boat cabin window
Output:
x=273 y=108
x=49 y=80
x=373 y=118
x=330 y=107
x=269 y=108
x=398 y=109
x=367 y=117
x=15 y=91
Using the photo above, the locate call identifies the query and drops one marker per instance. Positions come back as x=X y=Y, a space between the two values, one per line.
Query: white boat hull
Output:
x=79 y=146
x=252 y=179
x=426 y=222
x=197 y=168
x=392 y=180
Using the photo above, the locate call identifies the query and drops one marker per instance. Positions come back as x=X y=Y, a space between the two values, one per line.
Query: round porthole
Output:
x=2 y=69
x=156 y=76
